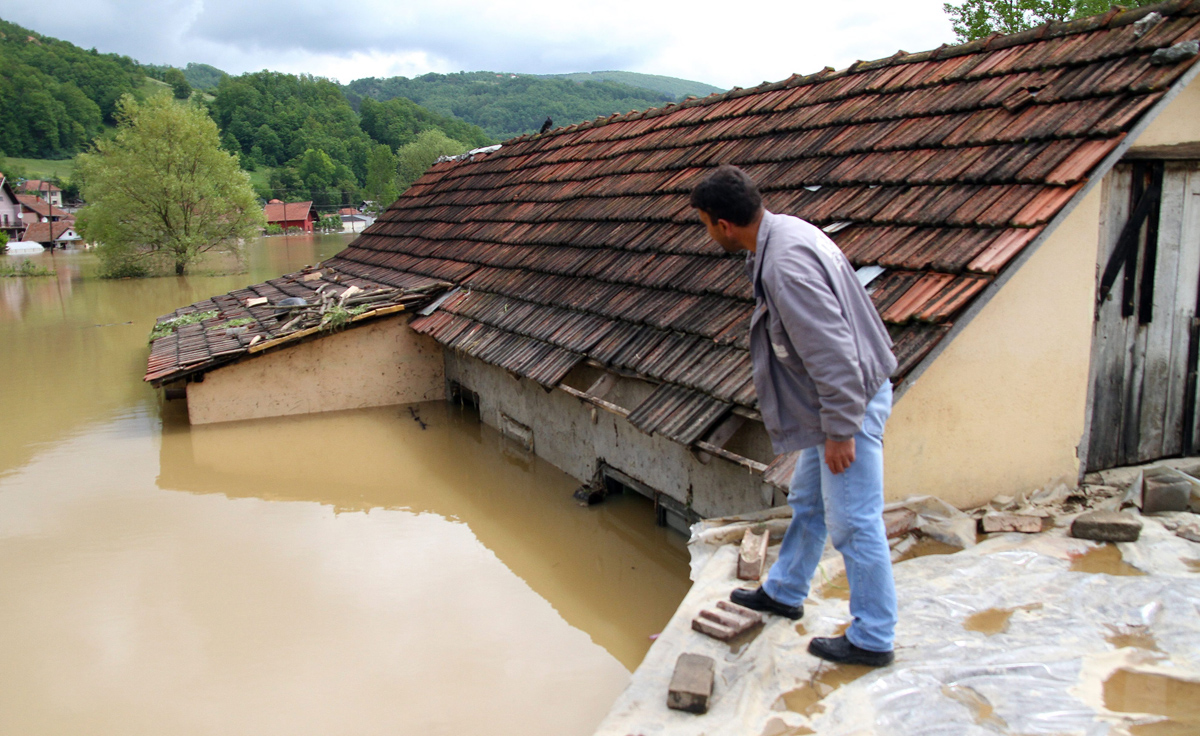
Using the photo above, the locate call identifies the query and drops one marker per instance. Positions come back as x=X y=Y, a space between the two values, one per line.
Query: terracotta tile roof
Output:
x=940 y=166
x=42 y=208
x=275 y=211
x=37 y=185
x=39 y=232
x=197 y=347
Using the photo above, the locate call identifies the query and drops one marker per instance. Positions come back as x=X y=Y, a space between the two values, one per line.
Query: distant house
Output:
x=44 y=190
x=354 y=221
x=52 y=234
x=291 y=214
x=34 y=209
x=10 y=211
x=1021 y=209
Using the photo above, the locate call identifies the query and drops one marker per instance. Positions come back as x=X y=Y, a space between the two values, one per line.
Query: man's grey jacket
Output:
x=819 y=349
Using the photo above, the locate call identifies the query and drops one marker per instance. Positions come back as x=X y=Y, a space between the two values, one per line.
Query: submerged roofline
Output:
x=1094 y=178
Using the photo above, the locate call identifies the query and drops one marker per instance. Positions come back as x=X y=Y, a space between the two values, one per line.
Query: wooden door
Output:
x=1145 y=341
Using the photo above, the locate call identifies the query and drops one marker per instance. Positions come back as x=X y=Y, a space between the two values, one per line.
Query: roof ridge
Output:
x=1115 y=17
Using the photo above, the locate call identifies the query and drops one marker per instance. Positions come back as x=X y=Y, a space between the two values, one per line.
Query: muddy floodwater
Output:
x=357 y=572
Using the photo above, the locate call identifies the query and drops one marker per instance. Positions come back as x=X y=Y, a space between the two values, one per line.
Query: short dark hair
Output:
x=728 y=194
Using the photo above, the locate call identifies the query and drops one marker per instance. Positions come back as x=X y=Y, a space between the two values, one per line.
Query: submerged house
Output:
x=289 y=215
x=1020 y=207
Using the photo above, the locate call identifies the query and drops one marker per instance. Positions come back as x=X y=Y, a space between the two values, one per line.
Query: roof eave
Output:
x=1094 y=177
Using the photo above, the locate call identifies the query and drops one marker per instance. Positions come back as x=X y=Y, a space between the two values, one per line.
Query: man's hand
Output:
x=839 y=455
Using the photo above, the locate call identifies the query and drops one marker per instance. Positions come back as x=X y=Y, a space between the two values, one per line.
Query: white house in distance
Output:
x=10 y=211
x=43 y=190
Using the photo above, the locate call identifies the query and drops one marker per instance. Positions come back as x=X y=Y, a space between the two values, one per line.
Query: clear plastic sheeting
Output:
x=1001 y=637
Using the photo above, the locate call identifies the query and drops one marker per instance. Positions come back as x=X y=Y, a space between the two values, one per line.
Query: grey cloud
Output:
x=254 y=35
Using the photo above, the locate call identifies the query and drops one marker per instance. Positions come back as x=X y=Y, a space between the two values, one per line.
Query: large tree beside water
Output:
x=162 y=189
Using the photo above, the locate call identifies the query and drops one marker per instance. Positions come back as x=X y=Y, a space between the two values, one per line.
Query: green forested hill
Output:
x=306 y=137
x=507 y=105
x=677 y=89
x=54 y=96
x=304 y=128
x=202 y=76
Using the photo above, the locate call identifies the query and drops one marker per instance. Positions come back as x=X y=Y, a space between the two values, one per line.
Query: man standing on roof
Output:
x=822 y=359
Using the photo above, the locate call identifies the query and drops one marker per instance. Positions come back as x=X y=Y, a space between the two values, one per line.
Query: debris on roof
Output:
x=281 y=311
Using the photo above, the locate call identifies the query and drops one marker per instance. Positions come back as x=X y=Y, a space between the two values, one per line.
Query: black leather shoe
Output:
x=760 y=601
x=842 y=651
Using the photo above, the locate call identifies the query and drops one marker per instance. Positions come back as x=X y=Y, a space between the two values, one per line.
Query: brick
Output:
x=1165 y=490
x=1008 y=522
x=899 y=522
x=692 y=683
x=726 y=621
x=1106 y=526
x=753 y=556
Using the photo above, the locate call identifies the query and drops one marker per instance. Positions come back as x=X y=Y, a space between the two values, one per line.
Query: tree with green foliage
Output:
x=380 y=188
x=974 y=19
x=414 y=158
x=55 y=96
x=179 y=84
x=203 y=76
x=162 y=188
x=3 y=242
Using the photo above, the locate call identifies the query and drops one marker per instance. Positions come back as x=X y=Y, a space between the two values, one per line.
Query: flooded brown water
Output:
x=1176 y=701
x=1105 y=559
x=343 y=573
x=807 y=698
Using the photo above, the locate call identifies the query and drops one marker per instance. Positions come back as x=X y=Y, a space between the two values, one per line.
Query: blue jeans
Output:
x=850 y=504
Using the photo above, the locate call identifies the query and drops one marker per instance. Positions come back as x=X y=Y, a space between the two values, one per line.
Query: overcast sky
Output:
x=724 y=44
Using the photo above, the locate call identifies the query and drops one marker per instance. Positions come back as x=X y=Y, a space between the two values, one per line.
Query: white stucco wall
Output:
x=381 y=363
x=1003 y=408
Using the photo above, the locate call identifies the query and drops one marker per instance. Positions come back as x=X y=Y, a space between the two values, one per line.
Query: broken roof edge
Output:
x=406 y=300
x=1093 y=178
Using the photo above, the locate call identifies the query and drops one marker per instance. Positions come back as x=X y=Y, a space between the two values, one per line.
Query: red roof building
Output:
x=44 y=190
x=51 y=234
x=291 y=214
x=990 y=195
x=37 y=210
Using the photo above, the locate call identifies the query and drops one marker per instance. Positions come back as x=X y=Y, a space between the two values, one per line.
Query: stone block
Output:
x=1164 y=489
x=726 y=621
x=997 y=521
x=753 y=556
x=691 y=684
x=1106 y=526
x=1189 y=530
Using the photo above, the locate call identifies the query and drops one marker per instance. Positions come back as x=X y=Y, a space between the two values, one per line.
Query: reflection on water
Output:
x=339 y=573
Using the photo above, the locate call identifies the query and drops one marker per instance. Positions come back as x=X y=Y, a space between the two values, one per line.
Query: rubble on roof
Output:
x=281 y=311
